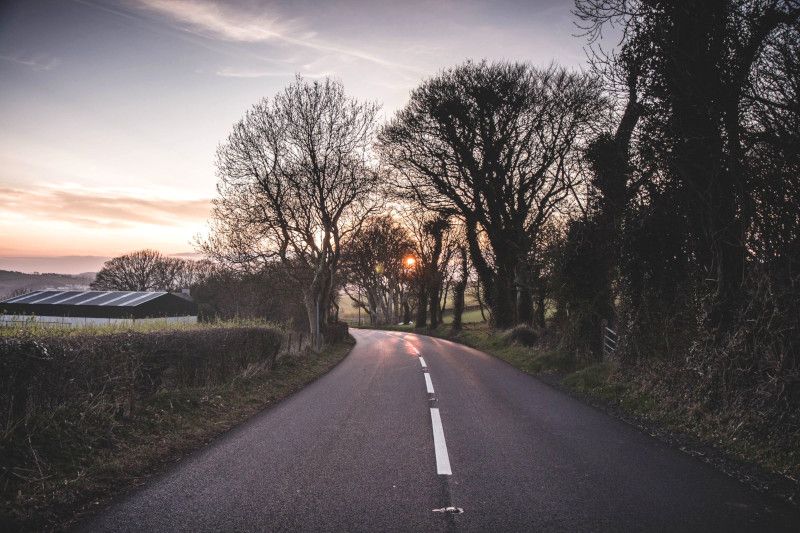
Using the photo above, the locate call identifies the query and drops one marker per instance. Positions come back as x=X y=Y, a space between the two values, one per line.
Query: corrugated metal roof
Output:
x=99 y=298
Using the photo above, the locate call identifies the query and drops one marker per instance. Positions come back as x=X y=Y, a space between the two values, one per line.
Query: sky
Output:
x=111 y=110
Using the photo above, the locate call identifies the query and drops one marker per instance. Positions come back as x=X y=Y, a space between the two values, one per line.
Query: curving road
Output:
x=369 y=448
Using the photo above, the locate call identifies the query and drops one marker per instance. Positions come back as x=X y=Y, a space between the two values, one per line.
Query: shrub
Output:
x=39 y=373
x=522 y=334
x=64 y=395
x=336 y=332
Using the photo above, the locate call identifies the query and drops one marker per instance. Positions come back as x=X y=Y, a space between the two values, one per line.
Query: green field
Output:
x=470 y=316
x=33 y=328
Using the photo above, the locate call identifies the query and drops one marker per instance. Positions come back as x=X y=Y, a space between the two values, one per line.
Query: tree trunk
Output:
x=524 y=300
x=540 y=309
x=310 y=303
x=729 y=257
x=434 y=294
x=422 y=307
x=316 y=299
x=459 y=289
x=502 y=304
x=372 y=308
x=478 y=297
x=434 y=309
x=443 y=303
x=485 y=274
x=406 y=312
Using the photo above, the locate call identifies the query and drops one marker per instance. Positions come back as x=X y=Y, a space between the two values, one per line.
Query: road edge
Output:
x=83 y=514
x=749 y=474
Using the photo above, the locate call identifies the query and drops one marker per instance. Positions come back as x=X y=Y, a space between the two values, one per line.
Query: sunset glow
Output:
x=111 y=111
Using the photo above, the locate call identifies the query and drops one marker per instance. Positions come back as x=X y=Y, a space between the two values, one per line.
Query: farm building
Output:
x=97 y=307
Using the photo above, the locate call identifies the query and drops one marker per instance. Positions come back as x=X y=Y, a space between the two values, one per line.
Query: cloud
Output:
x=97 y=208
x=39 y=63
x=218 y=22
x=230 y=72
x=229 y=24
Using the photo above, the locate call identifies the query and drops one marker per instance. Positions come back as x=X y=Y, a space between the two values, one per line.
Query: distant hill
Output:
x=12 y=282
x=64 y=264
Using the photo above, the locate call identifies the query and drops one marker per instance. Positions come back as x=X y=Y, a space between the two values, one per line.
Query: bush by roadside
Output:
x=87 y=414
x=521 y=334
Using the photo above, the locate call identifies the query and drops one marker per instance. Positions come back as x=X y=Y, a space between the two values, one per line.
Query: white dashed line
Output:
x=428 y=383
x=442 y=459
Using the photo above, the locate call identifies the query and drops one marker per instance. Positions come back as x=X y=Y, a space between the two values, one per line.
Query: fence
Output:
x=299 y=343
x=295 y=343
x=609 y=337
x=77 y=321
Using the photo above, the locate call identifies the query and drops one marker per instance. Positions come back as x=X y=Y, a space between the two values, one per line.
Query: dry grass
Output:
x=33 y=328
x=63 y=464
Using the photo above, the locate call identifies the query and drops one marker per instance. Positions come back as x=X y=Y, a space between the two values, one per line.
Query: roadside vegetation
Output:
x=91 y=412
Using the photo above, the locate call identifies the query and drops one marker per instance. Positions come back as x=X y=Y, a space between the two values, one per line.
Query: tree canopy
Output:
x=295 y=179
x=495 y=144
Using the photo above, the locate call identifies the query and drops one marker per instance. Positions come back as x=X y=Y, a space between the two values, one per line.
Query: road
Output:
x=368 y=448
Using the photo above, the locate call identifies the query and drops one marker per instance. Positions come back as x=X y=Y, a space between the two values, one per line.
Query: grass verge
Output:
x=538 y=359
x=78 y=479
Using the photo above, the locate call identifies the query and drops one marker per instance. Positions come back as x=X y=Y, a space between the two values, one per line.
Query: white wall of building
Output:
x=75 y=321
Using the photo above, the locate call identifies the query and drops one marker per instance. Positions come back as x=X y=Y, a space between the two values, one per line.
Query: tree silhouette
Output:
x=494 y=144
x=372 y=266
x=295 y=180
x=149 y=270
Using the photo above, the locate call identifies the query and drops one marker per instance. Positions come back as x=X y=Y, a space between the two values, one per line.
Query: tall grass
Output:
x=71 y=396
x=35 y=328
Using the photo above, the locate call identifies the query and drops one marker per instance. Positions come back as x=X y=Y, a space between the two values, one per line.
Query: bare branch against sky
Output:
x=111 y=110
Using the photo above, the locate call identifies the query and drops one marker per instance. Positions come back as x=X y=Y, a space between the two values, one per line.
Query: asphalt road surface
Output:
x=375 y=445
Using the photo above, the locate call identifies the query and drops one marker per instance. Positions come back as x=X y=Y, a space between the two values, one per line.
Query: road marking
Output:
x=428 y=383
x=422 y=362
x=442 y=459
x=449 y=510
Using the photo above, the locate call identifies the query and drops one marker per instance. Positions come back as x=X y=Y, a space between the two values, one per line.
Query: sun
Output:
x=409 y=262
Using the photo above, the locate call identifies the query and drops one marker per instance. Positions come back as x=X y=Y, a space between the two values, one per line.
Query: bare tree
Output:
x=267 y=295
x=137 y=271
x=374 y=270
x=495 y=145
x=149 y=270
x=434 y=242
x=294 y=180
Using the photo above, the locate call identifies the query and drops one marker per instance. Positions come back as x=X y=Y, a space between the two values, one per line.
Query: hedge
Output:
x=112 y=372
